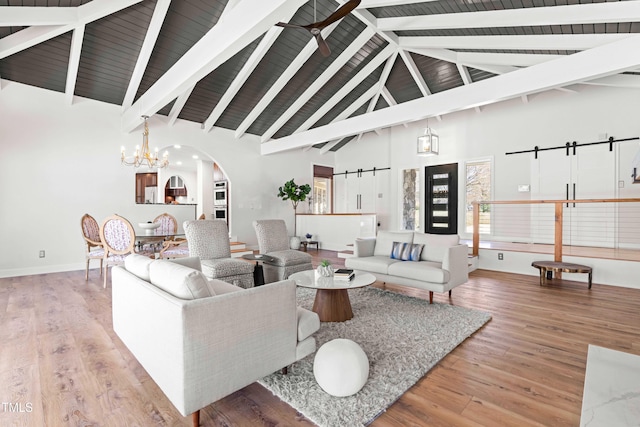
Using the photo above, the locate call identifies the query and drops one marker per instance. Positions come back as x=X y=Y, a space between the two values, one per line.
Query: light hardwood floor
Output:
x=61 y=359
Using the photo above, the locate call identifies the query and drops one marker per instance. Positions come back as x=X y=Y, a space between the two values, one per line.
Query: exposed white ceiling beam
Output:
x=347 y=88
x=248 y=68
x=588 y=65
x=618 y=80
x=74 y=63
x=347 y=112
x=248 y=20
x=596 y=13
x=329 y=145
x=466 y=78
x=382 y=82
x=415 y=73
x=26 y=16
x=528 y=42
x=310 y=48
x=384 y=92
x=159 y=13
x=320 y=81
x=510 y=59
x=177 y=106
x=87 y=12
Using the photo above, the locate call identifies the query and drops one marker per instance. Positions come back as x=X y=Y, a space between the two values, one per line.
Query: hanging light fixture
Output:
x=428 y=144
x=144 y=157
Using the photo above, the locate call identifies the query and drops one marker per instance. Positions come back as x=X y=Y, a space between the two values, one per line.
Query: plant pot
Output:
x=294 y=242
x=325 y=271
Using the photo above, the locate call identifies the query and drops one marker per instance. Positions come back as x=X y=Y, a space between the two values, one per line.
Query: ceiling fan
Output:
x=316 y=27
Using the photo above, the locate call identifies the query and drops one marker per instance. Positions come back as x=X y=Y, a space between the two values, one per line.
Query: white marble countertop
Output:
x=611 y=394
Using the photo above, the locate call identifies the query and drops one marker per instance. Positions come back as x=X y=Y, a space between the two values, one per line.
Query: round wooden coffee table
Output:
x=566 y=267
x=332 y=299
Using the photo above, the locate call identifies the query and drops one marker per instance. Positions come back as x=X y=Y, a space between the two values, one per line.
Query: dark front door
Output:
x=441 y=199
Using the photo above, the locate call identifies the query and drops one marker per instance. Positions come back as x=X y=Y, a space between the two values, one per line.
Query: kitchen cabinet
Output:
x=144 y=180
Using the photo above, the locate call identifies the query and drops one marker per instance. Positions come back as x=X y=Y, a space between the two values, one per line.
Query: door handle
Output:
x=567 y=194
x=574 y=193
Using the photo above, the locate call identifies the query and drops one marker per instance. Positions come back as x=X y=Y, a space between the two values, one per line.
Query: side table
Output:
x=305 y=243
x=258 y=274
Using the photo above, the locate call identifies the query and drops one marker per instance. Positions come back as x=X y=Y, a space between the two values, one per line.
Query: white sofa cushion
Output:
x=385 y=239
x=178 y=280
x=374 y=264
x=138 y=265
x=424 y=271
x=435 y=245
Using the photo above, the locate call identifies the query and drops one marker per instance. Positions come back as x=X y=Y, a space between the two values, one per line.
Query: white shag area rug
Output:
x=403 y=338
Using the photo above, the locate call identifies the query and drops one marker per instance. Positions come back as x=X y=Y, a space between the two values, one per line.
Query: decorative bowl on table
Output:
x=149 y=227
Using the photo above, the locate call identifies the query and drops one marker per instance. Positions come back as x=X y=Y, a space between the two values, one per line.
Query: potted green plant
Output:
x=296 y=193
x=325 y=269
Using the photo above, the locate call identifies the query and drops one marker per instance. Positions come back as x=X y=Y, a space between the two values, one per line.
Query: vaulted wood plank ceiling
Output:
x=225 y=63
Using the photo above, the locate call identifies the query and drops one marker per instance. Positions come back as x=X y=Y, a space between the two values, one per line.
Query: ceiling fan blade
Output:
x=343 y=11
x=286 y=25
x=323 y=47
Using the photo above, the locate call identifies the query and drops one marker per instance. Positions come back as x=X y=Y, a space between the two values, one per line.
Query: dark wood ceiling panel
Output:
x=530 y=30
x=166 y=109
x=478 y=75
x=346 y=31
x=458 y=6
x=348 y=100
x=380 y=104
x=400 y=83
x=109 y=53
x=336 y=83
x=342 y=143
x=210 y=89
x=438 y=75
x=186 y=22
x=283 y=51
x=43 y=65
x=44 y=3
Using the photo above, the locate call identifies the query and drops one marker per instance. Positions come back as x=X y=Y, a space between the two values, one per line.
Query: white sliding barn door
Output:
x=590 y=173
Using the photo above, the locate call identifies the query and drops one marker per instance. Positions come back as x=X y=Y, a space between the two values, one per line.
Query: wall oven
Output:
x=220 y=212
x=220 y=193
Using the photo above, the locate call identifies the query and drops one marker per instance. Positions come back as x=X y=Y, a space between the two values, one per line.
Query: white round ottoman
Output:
x=341 y=367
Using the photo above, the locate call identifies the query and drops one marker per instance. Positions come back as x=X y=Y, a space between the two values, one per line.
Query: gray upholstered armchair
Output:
x=209 y=240
x=273 y=240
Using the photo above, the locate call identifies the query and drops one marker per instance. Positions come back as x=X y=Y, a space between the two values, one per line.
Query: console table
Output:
x=547 y=267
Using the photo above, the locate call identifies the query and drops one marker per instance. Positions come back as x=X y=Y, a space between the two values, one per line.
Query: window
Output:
x=411 y=199
x=320 y=201
x=478 y=188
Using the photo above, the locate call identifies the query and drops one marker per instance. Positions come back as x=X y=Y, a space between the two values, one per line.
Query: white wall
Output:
x=59 y=161
x=546 y=120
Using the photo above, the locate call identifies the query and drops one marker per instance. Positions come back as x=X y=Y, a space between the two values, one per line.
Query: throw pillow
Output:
x=415 y=252
x=397 y=249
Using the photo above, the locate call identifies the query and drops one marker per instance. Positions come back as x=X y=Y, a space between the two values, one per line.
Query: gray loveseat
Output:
x=442 y=264
x=201 y=340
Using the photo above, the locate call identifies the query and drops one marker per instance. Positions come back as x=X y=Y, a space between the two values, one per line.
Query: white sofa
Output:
x=442 y=263
x=200 y=339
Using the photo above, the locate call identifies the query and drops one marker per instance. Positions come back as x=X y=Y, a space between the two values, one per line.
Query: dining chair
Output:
x=172 y=247
x=91 y=235
x=209 y=241
x=119 y=240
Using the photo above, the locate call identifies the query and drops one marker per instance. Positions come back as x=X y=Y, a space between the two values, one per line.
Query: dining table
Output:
x=155 y=238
